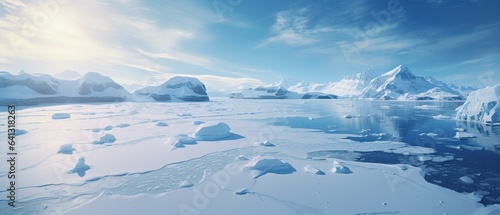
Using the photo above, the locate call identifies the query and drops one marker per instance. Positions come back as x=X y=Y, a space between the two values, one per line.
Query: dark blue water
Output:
x=477 y=158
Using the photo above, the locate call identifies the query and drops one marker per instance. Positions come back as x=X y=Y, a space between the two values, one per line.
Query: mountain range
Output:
x=397 y=84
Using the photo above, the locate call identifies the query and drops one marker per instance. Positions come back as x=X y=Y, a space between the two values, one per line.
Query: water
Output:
x=415 y=123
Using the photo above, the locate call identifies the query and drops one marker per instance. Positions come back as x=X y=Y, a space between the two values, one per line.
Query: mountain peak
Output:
x=401 y=72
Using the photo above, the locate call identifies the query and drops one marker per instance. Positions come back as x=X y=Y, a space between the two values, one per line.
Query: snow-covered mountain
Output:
x=482 y=105
x=269 y=92
x=401 y=84
x=175 y=89
x=33 y=89
x=350 y=86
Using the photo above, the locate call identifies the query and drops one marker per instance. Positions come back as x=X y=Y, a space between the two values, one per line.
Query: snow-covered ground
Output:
x=230 y=157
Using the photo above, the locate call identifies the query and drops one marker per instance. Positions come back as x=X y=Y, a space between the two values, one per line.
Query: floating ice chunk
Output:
x=212 y=131
x=339 y=168
x=185 y=184
x=265 y=143
x=313 y=170
x=241 y=158
x=80 y=167
x=464 y=135
x=180 y=140
x=441 y=117
x=385 y=107
x=466 y=179
x=123 y=125
x=442 y=158
x=424 y=158
x=161 y=124
x=20 y=132
x=262 y=166
x=432 y=135
x=348 y=116
x=459 y=129
x=426 y=107
x=184 y=115
x=241 y=192
x=106 y=138
x=66 y=149
x=61 y=116
x=198 y=122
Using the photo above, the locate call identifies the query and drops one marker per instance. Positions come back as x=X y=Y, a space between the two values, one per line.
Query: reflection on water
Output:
x=415 y=123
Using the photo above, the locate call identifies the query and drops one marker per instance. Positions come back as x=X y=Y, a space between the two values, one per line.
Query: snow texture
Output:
x=61 y=116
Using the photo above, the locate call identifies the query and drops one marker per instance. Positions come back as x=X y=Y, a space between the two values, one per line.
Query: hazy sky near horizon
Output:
x=229 y=43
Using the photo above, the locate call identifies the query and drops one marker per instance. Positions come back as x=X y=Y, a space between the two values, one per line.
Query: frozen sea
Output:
x=280 y=157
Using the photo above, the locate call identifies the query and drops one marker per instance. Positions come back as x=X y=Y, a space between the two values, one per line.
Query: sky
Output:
x=233 y=43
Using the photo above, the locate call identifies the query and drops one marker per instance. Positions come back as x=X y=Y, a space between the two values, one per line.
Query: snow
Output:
x=212 y=131
x=179 y=141
x=141 y=169
x=482 y=105
x=262 y=166
x=340 y=169
x=66 y=149
x=61 y=116
x=105 y=138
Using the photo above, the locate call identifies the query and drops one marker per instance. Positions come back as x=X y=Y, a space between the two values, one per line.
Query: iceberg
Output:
x=482 y=105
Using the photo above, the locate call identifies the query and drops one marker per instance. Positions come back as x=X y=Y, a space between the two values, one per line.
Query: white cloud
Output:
x=294 y=28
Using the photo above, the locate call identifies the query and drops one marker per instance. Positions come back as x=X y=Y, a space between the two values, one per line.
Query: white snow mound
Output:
x=180 y=140
x=212 y=131
x=339 y=168
x=262 y=166
x=313 y=170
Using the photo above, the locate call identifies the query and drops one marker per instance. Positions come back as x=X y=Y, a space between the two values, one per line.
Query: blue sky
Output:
x=229 y=43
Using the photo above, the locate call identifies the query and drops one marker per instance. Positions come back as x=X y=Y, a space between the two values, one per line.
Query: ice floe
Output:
x=466 y=179
x=105 y=138
x=464 y=135
x=80 y=167
x=66 y=149
x=61 y=116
